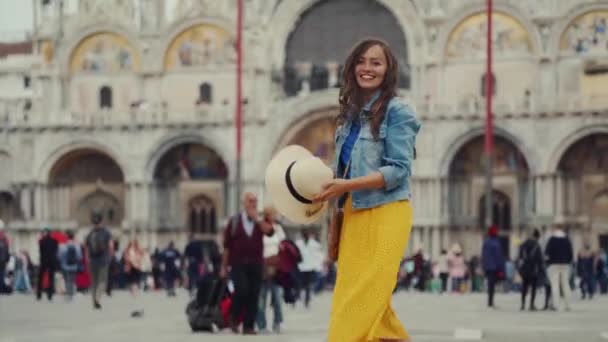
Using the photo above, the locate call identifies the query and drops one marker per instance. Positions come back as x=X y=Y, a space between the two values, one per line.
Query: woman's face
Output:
x=371 y=68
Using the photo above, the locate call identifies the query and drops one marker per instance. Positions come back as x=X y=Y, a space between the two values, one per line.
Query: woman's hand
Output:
x=332 y=189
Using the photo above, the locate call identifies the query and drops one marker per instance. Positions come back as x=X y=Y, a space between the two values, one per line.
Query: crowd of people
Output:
x=98 y=265
x=265 y=267
x=544 y=264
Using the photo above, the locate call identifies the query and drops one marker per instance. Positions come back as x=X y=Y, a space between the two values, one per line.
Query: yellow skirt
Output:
x=372 y=245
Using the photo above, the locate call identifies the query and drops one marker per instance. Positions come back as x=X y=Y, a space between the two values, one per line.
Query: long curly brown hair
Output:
x=351 y=95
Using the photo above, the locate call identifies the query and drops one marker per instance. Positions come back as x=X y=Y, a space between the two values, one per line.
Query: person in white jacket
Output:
x=270 y=286
x=312 y=259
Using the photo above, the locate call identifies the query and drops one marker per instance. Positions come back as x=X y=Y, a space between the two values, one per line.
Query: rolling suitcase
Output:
x=204 y=312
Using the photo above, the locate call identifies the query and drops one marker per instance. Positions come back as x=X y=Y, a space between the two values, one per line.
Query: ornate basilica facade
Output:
x=127 y=106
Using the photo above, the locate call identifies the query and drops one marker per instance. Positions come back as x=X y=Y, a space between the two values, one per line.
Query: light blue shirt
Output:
x=391 y=154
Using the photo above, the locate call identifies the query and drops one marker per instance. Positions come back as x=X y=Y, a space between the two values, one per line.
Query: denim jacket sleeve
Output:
x=401 y=130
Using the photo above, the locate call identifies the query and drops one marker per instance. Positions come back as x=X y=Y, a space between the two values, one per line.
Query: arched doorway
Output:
x=190 y=189
x=83 y=181
x=583 y=170
x=9 y=208
x=314 y=64
x=466 y=187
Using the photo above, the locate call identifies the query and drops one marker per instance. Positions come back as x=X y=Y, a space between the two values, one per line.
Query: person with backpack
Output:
x=48 y=264
x=244 y=254
x=99 y=249
x=70 y=258
x=5 y=256
x=530 y=267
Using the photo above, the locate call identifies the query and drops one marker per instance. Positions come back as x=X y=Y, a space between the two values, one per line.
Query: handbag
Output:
x=335 y=227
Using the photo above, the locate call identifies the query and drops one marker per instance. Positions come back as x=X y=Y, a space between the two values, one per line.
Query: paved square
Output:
x=427 y=317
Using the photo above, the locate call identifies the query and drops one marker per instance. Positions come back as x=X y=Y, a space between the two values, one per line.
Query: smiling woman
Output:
x=374 y=151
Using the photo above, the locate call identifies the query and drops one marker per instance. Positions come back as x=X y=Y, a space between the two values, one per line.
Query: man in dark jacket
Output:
x=493 y=260
x=243 y=252
x=48 y=263
x=559 y=256
x=530 y=266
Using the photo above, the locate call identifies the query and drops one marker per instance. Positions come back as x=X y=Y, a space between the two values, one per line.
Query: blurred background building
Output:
x=127 y=106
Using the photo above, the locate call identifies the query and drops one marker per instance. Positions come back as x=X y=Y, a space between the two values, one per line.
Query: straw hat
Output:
x=293 y=177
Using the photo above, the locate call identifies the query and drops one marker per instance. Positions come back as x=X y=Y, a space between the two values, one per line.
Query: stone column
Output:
x=37 y=202
x=24 y=199
x=436 y=243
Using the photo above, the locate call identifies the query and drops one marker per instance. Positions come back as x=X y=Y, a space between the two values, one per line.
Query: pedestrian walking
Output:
x=270 y=287
x=133 y=257
x=375 y=144
x=171 y=262
x=48 y=248
x=443 y=269
x=530 y=268
x=70 y=259
x=585 y=266
x=310 y=250
x=493 y=260
x=99 y=249
x=559 y=256
x=23 y=267
x=243 y=259
x=458 y=268
x=4 y=257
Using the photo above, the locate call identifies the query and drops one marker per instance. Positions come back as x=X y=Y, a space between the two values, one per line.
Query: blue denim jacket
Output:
x=392 y=153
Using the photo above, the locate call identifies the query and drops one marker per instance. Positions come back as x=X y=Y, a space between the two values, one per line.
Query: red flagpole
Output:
x=239 y=99
x=489 y=131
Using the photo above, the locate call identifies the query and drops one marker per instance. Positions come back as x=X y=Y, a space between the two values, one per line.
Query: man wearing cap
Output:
x=243 y=253
x=493 y=260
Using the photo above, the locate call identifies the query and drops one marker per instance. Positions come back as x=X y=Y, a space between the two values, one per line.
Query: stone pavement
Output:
x=427 y=317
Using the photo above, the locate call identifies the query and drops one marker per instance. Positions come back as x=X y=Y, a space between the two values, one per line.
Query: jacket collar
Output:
x=370 y=103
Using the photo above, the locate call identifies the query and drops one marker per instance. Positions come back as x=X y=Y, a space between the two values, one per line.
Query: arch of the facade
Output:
x=102 y=49
x=567 y=31
x=44 y=170
x=288 y=14
x=85 y=166
x=173 y=141
x=81 y=181
x=293 y=115
x=469 y=160
x=466 y=31
x=197 y=42
x=183 y=170
x=554 y=161
x=588 y=155
x=462 y=139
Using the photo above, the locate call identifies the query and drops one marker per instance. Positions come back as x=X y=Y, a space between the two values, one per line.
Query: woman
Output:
x=375 y=149
x=133 y=260
x=457 y=268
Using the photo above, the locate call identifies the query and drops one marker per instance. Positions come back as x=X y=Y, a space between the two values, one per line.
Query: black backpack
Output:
x=527 y=264
x=4 y=254
x=71 y=256
x=98 y=243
